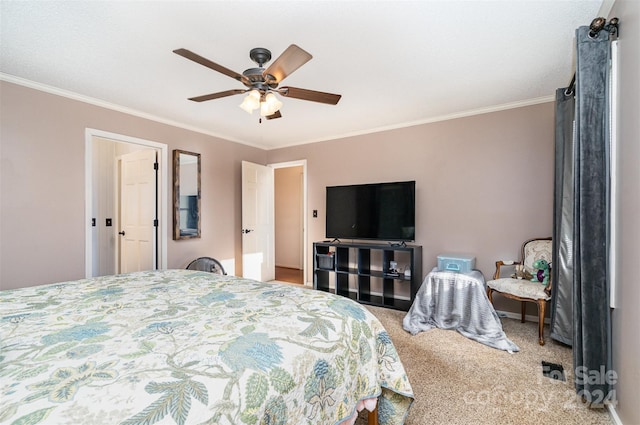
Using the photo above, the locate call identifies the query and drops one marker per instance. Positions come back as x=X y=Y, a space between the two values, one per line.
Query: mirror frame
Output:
x=177 y=231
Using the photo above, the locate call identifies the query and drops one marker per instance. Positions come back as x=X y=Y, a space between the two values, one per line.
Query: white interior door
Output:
x=138 y=211
x=258 y=223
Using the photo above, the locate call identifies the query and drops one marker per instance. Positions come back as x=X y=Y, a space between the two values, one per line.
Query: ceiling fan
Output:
x=262 y=84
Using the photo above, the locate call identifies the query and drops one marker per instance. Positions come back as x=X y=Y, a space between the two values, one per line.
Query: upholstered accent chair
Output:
x=524 y=290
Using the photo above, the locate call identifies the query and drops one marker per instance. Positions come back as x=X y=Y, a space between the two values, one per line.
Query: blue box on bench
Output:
x=456 y=263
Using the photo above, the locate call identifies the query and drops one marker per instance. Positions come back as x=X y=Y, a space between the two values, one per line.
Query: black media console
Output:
x=362 y=272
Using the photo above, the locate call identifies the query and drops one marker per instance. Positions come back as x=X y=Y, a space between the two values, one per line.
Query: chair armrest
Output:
x=501 y=263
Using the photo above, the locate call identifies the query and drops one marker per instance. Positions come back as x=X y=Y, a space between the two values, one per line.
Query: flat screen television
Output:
x=379 y=211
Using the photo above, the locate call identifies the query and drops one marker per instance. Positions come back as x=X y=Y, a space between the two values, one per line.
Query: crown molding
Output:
x=101 y=103
x=463 y=114
x=115 y=107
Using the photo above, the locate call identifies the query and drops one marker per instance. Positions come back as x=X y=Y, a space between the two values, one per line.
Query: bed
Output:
x=189 y=347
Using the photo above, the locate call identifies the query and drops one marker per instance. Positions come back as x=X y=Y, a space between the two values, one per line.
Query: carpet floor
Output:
x=459 y=381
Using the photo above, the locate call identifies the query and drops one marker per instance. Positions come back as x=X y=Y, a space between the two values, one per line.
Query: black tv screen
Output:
x=381 y=211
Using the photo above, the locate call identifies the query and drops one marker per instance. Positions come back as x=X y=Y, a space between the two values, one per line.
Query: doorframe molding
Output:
x=303 y=163
x=163 y=208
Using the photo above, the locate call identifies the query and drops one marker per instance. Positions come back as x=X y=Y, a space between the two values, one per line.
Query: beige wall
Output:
x=484 y=184
x=626 y=318
x=42 y=228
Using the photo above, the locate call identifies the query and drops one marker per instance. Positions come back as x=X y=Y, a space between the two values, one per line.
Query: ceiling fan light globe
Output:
x=255 y=95
x=245 y=106
x=251 y=101
x=264 y=109
x=270 y=105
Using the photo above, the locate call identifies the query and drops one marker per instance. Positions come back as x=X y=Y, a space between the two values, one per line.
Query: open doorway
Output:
x=104 y=152
x=290 y=217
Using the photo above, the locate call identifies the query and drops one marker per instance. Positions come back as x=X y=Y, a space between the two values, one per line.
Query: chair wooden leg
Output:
x=541 y=307
x=372 y=417
x=490 y=295
x=523 y=309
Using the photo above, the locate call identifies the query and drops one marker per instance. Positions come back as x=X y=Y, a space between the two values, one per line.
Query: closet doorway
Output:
x=290 y=221
x=104 y=155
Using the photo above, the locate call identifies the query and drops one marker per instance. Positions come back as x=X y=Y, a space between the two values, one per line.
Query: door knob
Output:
x=121 y=233
x=247 y=230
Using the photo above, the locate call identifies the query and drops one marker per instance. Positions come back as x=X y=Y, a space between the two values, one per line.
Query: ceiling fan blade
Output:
x=290 y=60
x=273 y=116
x=216 y=95
x=212 y=65
x=312 y=95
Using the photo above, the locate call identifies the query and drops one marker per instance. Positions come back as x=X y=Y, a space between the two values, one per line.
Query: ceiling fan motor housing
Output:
x=259 y=55
x=257 y=80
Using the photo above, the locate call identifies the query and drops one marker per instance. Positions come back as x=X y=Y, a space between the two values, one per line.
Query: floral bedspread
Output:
x=185 y=347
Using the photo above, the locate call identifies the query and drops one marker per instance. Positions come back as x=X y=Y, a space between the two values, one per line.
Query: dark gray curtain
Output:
x=581 y=215
x=592 y=316
x=562 y=261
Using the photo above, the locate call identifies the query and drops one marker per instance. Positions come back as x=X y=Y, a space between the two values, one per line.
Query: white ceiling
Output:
x=395 y=63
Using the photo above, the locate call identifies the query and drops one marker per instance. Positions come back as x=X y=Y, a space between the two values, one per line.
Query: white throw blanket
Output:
x=459 y=301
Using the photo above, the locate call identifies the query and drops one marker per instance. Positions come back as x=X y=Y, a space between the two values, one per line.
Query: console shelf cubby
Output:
x=361 y=271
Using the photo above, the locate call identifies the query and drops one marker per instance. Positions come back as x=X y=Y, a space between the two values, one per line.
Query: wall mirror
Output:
x=186 y=195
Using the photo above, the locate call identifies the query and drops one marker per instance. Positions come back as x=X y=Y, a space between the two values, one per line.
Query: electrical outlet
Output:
x=109 y=222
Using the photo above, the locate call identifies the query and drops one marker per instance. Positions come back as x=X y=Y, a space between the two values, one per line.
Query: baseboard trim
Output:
x=527 y=317
x=613 y=414
x=289 y=267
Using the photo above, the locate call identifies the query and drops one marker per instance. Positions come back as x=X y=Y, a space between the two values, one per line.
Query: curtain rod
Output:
x=597 y=25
